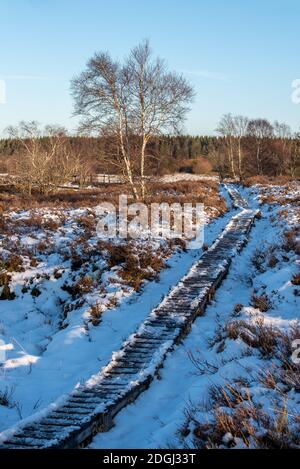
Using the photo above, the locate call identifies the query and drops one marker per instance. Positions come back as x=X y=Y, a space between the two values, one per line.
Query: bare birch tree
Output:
x=132 y=102
x=240 y=131
x=45 y=159
x=226 y=128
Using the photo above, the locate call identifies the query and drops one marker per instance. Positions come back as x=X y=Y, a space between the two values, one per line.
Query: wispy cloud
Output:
x=24 y=77
x=206 y=74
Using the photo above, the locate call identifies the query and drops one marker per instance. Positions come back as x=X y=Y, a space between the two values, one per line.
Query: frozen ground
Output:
x=232 y=382
x=56 y=274
x=187 y=177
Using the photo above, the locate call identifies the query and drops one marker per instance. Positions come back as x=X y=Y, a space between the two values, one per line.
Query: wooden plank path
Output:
x=90 y=408
x=237 y=200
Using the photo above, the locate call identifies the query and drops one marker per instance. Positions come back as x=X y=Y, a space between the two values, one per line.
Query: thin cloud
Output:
x=206 y=74
x=24 y=77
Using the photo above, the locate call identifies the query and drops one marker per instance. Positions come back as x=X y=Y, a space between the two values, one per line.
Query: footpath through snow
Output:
x=217 y=389
x=45 y=361
x=87 y=408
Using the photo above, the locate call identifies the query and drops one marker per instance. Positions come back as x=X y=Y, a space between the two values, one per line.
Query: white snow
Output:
x=155 y=418
x=49 y=352
x=44 y=361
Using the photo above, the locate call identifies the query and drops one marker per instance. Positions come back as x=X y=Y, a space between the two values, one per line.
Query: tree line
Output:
x=228 y=155
x=250 y=147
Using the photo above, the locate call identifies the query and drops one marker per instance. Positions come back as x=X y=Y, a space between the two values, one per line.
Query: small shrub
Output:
x=7 y=294
x=33 y=262
x=42 y=246
x=273 y=261
x=258 y=259
x=257 y=335
x=76 y=260
x=132 y=273
x=57 y=274
x=263 y=303
x=290 y=241
x=238 y=308
x=13 y=263
x=117 y=254
x=35 y=221
x=35 y=292
x=87 y=222
x=51 y=224
x=96 y=313
x=181 y=243
x=4 y=279
x=5 y=397
x=149 y=260
x=113 y=302
x=296 y=279
x=84 y=284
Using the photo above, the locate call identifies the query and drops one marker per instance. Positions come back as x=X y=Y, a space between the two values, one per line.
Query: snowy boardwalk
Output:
x=90 y=408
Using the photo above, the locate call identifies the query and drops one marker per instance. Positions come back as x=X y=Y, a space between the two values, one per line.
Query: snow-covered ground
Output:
x=168 y=178
x=233 y=383
x=186 y=177
x=54 y=280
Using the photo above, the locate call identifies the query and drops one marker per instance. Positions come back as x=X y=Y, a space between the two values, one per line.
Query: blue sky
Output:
x=241 y=55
